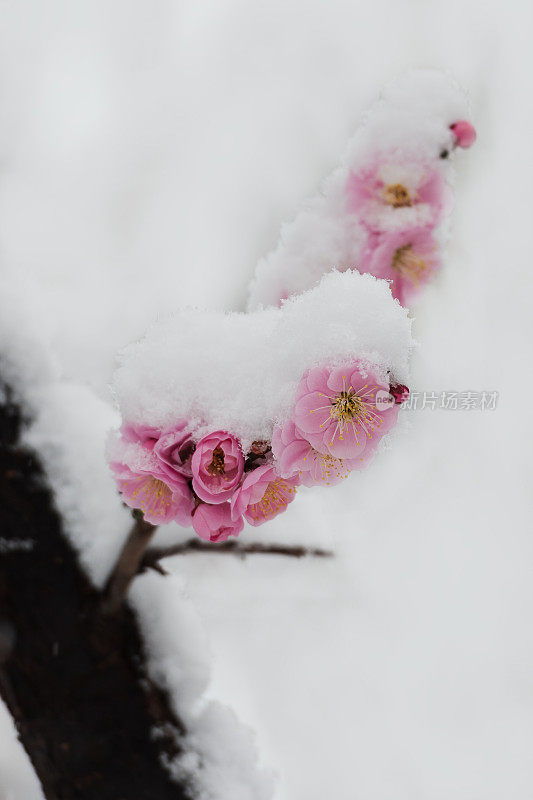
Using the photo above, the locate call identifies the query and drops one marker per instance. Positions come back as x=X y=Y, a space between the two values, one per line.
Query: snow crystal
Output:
x=410 y=120
x=239 y=372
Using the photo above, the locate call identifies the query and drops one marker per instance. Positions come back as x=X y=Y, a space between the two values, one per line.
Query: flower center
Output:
x=397 y=196
x=408 y=264
x=216 y=467
x=186 y=452
x=346 y=407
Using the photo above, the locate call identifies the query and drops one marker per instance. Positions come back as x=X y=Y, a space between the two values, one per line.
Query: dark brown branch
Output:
x=127 y=565
x=73 y=680
x=153 y=556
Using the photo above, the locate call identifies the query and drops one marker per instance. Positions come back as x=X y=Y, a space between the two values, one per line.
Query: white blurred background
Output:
x=148 y=154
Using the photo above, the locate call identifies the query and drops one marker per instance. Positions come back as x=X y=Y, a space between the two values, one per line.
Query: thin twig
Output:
x=154 y=555
x=127 y=565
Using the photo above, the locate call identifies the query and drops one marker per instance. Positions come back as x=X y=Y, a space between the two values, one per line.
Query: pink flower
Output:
x=464 y=132
x=263 y=495
x=217 y=467
x=344 y=411
x=143 y=484
x=408 y=259
x=174 y=450
x=395 y=194
x=156 y=499
x=215 y=523
x=143 y=434
x=295 y=456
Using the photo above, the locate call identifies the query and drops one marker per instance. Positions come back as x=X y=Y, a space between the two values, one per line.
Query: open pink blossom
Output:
x=144 y=485
x=148 y=492
x=174 y=449
x=408 y=259
x=215 y=523
x=344 y=411
x=398 y=193
x=217 y=467
x=263 y=495
x=296 y=456
x=464 y=132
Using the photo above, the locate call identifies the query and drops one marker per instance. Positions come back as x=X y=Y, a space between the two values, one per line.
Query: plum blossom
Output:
x=217 y=467
x=145 y=486
x=263 y=495
x=174 y=449
x=407 y=259
x=338 y=410
x=398 y=193
x=215 y=523
x=146 y=435
x=296 y=456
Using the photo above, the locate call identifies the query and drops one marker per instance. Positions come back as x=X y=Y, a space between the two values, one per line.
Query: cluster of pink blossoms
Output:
x=339 y=416
x=400 y=200
x=209 y=484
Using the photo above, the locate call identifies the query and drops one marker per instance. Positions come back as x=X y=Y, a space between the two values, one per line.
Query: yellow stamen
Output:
x=216 y=467
x=346 y=406
x=275 y=499
x=397 y=196
x=408 y=264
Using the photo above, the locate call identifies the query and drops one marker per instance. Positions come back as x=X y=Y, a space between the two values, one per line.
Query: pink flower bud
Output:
x=214 y=523
x=464 y=132
x=217 y=467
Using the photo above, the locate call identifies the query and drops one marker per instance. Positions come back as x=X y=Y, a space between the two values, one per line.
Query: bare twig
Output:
x=128 y=563
x=154 y=555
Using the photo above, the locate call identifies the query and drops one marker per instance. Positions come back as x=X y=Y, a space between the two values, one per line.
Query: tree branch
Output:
x=152 y=556
x=74 y=680
x=127 y=565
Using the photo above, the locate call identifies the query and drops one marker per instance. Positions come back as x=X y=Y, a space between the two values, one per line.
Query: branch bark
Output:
x=153 y=555
x=73 y=679
x=127 y=565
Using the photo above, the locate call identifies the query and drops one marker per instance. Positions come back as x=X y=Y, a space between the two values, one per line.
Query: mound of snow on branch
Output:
x=239 y=372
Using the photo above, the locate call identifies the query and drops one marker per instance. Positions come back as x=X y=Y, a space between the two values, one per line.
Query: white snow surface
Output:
x=69 y=432
x=220 y=755
x=239 y=372
x=150 y=154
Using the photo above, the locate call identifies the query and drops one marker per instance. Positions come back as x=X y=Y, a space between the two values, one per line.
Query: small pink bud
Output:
x=464 y=132
x=400 y=393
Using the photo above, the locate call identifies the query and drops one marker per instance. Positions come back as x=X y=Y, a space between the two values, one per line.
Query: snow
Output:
x=240 y=372
x=26 y=363
x=17 y=779
x=150 y=156
x=219 y=758
x=69 y=432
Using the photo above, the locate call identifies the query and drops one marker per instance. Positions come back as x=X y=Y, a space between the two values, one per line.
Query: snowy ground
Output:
x=149 y=153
